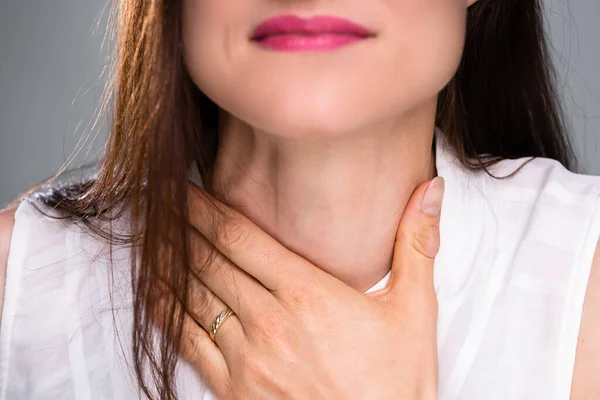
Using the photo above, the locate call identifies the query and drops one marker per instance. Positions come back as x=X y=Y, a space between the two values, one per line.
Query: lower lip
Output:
x=298 y=42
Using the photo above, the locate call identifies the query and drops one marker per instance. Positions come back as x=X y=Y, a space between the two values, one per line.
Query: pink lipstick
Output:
x=319 y=33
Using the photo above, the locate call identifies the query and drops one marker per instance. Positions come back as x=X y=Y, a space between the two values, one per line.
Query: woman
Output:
x=315 y=132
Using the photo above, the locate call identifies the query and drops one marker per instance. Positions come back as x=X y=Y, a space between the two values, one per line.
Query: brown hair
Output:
x=501 y=102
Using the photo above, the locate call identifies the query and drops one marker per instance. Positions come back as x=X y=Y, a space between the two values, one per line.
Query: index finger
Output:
x=243 y=242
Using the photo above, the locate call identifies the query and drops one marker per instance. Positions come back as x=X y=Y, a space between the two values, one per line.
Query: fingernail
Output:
x=432 y=201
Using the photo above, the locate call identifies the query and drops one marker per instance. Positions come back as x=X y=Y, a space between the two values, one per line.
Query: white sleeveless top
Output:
x=510 y=277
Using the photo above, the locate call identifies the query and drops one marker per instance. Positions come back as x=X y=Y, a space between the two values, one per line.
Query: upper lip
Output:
x=288 y=23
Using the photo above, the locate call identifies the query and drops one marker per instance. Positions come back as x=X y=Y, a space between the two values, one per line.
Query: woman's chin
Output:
x=310 y=126
x=305 y=118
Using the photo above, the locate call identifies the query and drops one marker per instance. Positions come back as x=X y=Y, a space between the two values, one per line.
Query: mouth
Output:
x=290 y=32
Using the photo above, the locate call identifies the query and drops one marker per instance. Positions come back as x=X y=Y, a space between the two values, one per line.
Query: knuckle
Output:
x=216 y=263
x=426 y=239
x=204 y=259
x=306 y=298
x=201 y=302
x=232 y=234
x=299 y=295
x=271 y=327
x=189 y=348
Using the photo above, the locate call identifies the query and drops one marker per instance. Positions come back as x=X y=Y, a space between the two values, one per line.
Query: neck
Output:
x=335 y=200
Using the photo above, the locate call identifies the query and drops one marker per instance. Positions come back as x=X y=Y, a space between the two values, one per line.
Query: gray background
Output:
x=51 y=59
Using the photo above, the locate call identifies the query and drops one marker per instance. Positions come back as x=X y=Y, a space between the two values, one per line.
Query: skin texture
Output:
x=319 y=148
x=294 y=323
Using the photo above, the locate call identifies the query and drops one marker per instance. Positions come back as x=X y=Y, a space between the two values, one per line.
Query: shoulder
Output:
x=67 y=293
x=545 y=202
x=7 y=221
x=562 y=207
x=45 y=255
x=18 y=224
x=528 y=177
x=587 y=361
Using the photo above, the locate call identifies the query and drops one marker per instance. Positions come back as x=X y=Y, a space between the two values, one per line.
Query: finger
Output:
x=196 y=346
x=204 y=307
x=244 y=243
x=418 y=236
x=233 y=286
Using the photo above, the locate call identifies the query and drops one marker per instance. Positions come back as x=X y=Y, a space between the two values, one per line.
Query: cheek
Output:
x=427 y=38
x=213 y=40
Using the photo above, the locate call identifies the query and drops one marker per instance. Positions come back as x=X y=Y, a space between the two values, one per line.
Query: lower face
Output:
x=327 y=90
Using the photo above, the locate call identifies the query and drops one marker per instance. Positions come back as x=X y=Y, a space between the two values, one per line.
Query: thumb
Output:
x=418 y=236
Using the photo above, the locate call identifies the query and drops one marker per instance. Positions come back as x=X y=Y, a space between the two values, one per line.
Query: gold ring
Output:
x=218 y=321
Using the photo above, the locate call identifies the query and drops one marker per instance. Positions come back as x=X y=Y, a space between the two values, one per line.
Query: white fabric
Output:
x=510 y=277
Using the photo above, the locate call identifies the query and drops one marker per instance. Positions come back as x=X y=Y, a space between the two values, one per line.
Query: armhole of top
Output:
x=14 y=269
x=574 y=309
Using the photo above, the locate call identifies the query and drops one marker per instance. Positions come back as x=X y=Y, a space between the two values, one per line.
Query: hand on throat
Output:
x=336 y=201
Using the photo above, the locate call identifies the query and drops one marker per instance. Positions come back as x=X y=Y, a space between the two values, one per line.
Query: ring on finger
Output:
x=223 y=315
